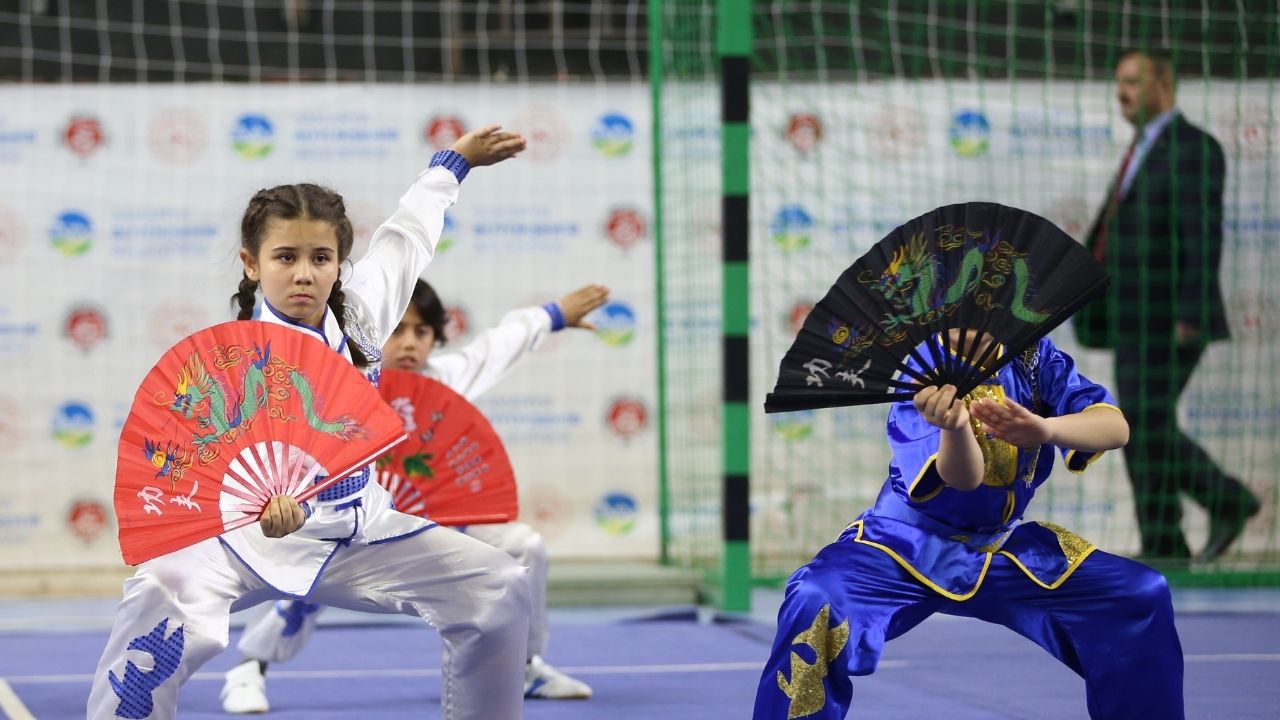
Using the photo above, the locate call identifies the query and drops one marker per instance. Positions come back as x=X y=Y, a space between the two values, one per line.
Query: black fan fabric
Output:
x=986 y=267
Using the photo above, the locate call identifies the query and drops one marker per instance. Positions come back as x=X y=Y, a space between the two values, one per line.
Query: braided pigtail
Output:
x=337 y=306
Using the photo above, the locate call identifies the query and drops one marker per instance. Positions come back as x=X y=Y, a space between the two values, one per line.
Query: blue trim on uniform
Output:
x=303 y=596
x=557 y=316
x=452 y=161
x=409 y=534
x=297 y=323
x=342 y=344
x=351 y=485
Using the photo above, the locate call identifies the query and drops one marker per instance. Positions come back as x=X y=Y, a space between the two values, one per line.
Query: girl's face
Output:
x=296 y=266
x=410 y=344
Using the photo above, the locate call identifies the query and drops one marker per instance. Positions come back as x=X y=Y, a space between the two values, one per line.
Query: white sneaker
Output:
x=545 y=682
x=245 y=690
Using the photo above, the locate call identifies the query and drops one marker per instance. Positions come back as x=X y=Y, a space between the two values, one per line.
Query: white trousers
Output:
x=280 y=633
x=175 y=613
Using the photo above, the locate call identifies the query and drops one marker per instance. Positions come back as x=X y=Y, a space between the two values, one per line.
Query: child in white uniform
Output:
x=347 y=547
x=282 y=632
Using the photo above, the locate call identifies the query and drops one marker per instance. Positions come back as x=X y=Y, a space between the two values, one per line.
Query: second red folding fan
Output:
x=453 y=459
x=230 y=417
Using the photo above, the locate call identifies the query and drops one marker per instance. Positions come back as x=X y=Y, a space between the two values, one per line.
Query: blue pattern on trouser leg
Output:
x=294 y=613
x=135 y=689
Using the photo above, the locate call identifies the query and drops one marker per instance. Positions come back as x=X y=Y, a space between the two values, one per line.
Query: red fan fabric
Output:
x=231 y=416
x=453 y=459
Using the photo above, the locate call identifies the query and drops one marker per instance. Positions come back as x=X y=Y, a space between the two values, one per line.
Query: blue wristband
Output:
x=453 y=162
x=557 y=315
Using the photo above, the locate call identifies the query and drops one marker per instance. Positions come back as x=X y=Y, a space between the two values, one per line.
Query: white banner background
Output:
x=119 y=223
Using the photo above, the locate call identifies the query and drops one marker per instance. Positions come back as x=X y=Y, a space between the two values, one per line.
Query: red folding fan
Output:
x=230 y=417
x=453 y=468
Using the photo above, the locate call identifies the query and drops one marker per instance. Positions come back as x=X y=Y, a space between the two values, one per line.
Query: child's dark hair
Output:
x=292 y=202
x=427 y=303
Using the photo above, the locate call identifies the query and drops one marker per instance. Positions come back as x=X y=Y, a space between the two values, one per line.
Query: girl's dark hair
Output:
x=303 y=201
x=427 y=303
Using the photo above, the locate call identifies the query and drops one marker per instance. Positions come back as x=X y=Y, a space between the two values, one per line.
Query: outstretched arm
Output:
x=1094 y=429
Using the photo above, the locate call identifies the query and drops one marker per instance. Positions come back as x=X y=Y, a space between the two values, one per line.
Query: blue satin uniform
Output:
x=925 y=547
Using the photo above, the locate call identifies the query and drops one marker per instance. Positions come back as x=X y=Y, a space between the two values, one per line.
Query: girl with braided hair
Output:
x=347 y=547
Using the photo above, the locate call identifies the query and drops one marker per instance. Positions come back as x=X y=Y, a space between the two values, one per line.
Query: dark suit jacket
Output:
x=1163 y=246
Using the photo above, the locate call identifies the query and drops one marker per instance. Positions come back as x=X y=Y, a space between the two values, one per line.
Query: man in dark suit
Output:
x=1160 y=237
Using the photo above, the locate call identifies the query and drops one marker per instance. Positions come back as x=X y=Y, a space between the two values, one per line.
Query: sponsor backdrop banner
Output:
x=119 y=223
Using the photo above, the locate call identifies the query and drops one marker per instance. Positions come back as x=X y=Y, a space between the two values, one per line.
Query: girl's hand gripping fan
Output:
x=230 y=417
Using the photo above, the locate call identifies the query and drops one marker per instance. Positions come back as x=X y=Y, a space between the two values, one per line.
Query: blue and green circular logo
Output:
x=613 y=135
x=71 y=233
x=253 y=136
x=792 y=228
x=793 y=425
x=970 y=133
x=448 y=233
x=615 y=323
x=616 y=513
x=73 y=425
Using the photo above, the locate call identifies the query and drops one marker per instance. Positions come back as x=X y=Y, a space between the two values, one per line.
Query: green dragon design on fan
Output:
x=226 y=410
x=910 y=282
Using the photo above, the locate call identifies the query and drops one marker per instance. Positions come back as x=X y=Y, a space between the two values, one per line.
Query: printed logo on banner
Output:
x=87 y=519
x=443 y=130
x=173 y=320
x=1249 y=130
x=544 y=130
x=13 y=233
x=627 y=417
x=177 y=136
x=73 y=424
x=83 y=135
x=616 y=513
x=85 y=326
x=1071 y=213
x=448 y=233
x=1057 y=132
x=791 y=228
x=795 y=317
x=895 y=132
x=457 y=323
x=793 y=426
x=160 y=233
x=691 y=142
x=535 y=420
x=71 y=233
x=615 y=323
x=547 y=509
x=533 y=229
x=625 y=227
x=804 y=131
x=16 y=525
x=16 y=334
x=353 y=135
x=854 y=229
x=13 y=425
x=253 y=136
x=14 y=140
x=613 y=134
x=970 y=133
x=1256 y=314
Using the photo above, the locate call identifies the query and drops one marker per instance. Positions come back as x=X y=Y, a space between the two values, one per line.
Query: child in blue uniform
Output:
x=946 y=535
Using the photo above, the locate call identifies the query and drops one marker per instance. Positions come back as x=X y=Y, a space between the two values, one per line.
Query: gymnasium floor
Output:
x=673 y=663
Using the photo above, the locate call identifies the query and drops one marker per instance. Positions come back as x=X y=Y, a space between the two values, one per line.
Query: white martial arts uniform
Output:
x=354 y=551
x=282 y=632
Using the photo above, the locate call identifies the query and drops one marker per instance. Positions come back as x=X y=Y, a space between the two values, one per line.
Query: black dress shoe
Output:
x=1227 y=525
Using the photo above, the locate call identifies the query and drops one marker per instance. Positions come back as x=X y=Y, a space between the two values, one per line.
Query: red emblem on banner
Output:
x=83 y=135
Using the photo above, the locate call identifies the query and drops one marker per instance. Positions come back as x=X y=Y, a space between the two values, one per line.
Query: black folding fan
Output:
x=982 y=266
